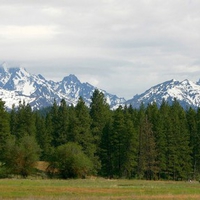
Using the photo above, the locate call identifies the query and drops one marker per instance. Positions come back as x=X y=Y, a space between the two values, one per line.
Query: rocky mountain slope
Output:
x=16 y=85
x=186 y=92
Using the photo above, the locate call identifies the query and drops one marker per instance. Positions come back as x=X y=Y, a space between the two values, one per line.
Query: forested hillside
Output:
x=145 y=143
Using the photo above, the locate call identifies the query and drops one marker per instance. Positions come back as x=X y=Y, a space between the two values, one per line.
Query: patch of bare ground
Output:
x=42 y=165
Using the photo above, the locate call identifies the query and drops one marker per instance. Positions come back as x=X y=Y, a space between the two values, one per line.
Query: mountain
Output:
x=186 y=92
x=16 y=85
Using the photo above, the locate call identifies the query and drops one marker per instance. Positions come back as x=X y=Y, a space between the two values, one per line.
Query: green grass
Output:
x=97 y=189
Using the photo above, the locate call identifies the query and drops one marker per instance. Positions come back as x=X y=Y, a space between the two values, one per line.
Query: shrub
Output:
x=21 y=155
x=72 y=162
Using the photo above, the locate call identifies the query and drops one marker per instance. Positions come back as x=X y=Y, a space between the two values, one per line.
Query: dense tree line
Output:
x=147 y=143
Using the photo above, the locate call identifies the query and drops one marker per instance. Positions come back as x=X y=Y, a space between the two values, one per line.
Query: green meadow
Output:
x=97 y=188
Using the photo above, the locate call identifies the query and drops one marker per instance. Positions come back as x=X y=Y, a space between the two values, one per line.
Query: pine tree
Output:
x=62 y=124
x=56 y=123
x=23 y=121
x=161 y=134
x=73 y=125
x=148 y=153
x=118 y=142
x=121 y=145
x=131 y=144
x=195 y=141
x=4 y=127
x=141 y=150
x=106 y=154
x=43 y=137
x=100 y=114
x=13 y=120
x=192 y=128
x=83 y=133
x=158 y=120
x=179 y=159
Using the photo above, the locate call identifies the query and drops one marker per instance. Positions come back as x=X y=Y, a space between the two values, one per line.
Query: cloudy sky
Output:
x=122 y=46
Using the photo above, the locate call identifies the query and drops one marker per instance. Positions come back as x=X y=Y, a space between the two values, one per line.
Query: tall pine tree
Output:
x=100 y=114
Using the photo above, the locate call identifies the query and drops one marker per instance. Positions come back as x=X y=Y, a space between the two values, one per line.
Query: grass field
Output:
x=97 y=189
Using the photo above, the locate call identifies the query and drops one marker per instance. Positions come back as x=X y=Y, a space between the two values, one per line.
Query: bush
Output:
x=71 y=162
x=21 y=155
x=3 y=172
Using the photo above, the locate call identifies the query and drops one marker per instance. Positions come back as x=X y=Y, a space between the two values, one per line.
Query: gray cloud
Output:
x=124 y=47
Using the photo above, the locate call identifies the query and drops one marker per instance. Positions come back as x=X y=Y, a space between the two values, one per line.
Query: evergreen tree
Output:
x=73 y=125
x=120 y=145
x=148 y=142
x=43 y=137
x=13 y=120
x=4 y=127
x=49 y=129
x=118 y=139
x=131 y=144
x=141 y=150
x=100 y=114
x=52 y=124
x=106 y=154
x=163 y=128
x=158 y=119
x=83 y=133
x=62 y=124
x=147 y=151
x=179 y=159
x=25 y=121
x=195 y=143
x=192 y=128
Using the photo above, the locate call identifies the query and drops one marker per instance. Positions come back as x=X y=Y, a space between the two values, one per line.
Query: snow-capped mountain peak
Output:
x=4 y=65
x=71 y=79
x=186 y=92
x=16 y=85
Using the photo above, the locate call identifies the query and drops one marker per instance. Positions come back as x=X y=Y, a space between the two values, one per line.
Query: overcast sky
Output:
x=122 y=46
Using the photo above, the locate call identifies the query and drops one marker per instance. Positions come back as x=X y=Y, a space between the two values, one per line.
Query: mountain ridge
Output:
x=186 y=92
x=17 y=85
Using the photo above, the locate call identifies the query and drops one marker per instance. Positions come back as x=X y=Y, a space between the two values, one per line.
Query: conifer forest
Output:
x=153 y=143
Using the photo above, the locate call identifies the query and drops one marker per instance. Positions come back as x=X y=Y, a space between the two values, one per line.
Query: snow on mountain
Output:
x=186 y=92
x=16 y=85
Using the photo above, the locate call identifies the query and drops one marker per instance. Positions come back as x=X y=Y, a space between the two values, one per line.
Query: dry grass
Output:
x=42 y=165
x=97 y=188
